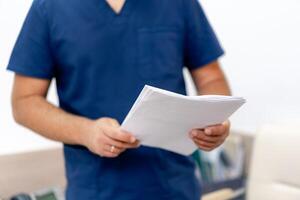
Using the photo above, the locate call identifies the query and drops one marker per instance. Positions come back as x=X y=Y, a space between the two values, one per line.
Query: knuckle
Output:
x=114 y=121
x=103 y=120
x=106 y=119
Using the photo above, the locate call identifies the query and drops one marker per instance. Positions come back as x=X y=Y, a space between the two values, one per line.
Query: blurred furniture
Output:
x=219 y=195
x=275 y=168
x=275 y=165
x=32 y=171
x=238 y=150
x=247 y=141
x=28 y=172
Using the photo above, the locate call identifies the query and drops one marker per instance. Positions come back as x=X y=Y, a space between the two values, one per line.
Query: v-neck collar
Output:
x=109 y=3
x=125 y=11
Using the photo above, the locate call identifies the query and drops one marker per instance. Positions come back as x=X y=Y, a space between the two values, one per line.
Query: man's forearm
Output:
x=216 y=86
x=210 y=79
x=37 y=114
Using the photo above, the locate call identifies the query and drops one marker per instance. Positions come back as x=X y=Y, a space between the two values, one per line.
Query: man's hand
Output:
x=107 y=139
x=211 y=137
x=103 y=136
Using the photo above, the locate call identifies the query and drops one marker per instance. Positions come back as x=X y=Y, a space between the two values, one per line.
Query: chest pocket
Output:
x=160 y=52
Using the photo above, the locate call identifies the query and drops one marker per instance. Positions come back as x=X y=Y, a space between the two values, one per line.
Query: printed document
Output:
x=163 y=119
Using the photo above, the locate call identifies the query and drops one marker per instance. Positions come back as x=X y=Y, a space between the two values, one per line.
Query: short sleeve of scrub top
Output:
x=202 y=45
x=32 y=55
x=101 y=61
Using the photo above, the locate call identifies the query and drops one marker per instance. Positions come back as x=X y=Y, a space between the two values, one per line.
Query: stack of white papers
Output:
x=163 y=119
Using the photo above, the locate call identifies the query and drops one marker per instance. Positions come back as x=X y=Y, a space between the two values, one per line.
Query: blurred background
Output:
x=262 y=44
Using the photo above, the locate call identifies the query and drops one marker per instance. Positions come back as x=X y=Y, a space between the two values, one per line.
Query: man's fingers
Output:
x=114 y=123
x=119 y=135
x=110 y=151
x=122 y=145
x=113 y=149
x=204 y=148
x=136 y=144
x=197 y=132
x=226 y=124
x=216 y=130
x=200 y=135
x=110 y=121
x=204 y=144
x=211 y=137
x=109 y=154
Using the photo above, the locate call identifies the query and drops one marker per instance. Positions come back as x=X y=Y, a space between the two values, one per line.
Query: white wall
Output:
x=14 y=138
x=262 y=42
x=261 y=38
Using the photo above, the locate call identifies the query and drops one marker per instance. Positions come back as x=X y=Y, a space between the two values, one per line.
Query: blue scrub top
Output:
x=101 y=61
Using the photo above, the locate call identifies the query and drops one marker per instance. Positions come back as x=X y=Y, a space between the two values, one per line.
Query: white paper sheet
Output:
x=163 y=119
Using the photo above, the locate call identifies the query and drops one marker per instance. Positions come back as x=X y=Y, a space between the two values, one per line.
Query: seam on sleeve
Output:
x=207 y=60
x=22 y=71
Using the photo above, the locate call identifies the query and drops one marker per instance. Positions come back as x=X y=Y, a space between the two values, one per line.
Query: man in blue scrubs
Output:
x=101 y=54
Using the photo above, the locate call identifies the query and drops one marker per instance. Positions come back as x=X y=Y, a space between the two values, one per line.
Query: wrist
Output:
x=84 y=130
